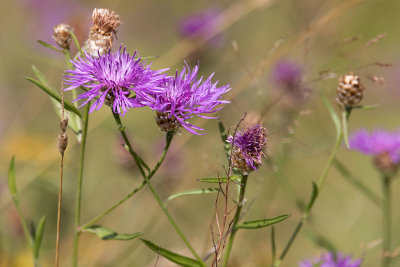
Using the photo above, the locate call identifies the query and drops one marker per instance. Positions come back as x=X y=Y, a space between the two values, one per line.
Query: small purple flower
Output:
x=185 y=96
x=382 y=145
x=201 y=24
x=328 y=260
x=113 y=77
x=248 y=148
x=287 y=74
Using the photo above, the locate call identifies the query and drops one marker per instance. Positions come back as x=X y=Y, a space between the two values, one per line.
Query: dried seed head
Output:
x=350 y=90
x=98 y=44
x=63 y=125
x=62 y=36
x=62 y=142
x=384 y=163
x=105 y=20
x=167 y=123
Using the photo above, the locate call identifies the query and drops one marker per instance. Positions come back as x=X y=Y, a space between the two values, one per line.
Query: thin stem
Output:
x=79 y=187
x=131 y=194
x=59 y=211
x=306 y=213
x=387 y=216
x=236 y=219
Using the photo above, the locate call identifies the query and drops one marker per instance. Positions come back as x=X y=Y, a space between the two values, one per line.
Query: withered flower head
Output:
x=62 y=35
x=105 y=20
x=349 y=90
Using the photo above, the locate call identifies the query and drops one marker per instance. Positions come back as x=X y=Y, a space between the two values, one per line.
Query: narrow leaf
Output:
x=78 y=47
x=221 y=180
x=273 y=244
x=193 y=192
x=176 y=258
x=345 y=129
x=39 y=236
x=262 y=223
x=333 y=114
x=51 y=93
x=107 y=234
x=313 y=197
x=49 y=46
x=12 y=184
x=367 y=107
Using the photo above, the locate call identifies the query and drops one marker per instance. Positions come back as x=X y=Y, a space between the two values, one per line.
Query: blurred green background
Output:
x=254 y=35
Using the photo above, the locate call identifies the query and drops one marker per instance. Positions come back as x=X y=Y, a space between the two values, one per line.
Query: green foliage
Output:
x=107 y=234
x=313 y=197
x=256 y=224
x=221 y=180
x=333 y=114
x=176 y=258
x=39 y=236
x=198 y=191
x=49 y=46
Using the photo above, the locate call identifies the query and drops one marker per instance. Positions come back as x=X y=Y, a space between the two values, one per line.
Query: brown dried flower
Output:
x=62 y=35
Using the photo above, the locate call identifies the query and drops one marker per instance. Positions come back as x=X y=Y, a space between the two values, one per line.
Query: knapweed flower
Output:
x=382 y=145
x=62 y=35
x=183 y=97
x=350 y=90
x=117 y=78
x=329 y=260
x=248 y=148
x=200 y=25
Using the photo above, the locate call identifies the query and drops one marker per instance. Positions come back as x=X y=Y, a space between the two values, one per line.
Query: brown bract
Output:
x=62 y=35
x=349 y=90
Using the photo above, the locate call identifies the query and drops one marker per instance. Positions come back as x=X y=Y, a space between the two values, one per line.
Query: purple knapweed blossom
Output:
x=185 y=96
x=329 y=260
x=248 y=148
x=287 y=74
x=114 y=77
x=200 y=25
x=383 y=146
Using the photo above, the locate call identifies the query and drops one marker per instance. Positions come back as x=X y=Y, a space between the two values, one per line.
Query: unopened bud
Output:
x=350 y=90
x=62 y=35
x=62 y=142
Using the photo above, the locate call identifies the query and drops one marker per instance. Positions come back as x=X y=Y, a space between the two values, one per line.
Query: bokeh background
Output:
x=325 y=39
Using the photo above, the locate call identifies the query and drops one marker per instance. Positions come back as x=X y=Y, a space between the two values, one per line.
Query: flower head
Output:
x=113 y=78
x=248 y=148
x=384 y=146
x=329 y=260
x=350 y=91
x=183 y=97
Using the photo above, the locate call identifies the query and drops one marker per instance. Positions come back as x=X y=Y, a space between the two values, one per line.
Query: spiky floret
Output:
x=331 y=260
x=248 y=148
x=185 y=96
x=117 y=78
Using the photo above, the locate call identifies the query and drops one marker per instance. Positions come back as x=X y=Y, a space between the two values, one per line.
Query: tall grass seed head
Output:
x=116 y=79
x=62 y=35
x=383 y=146
x=350 y=91
x=248 y=148
x=331 y=260
x=185 y=96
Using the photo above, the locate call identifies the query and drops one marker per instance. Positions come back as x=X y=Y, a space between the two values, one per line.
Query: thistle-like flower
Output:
x=115 y=78
x=183 y=97
x=329 y=260
x=248 y=148
x=382 y=145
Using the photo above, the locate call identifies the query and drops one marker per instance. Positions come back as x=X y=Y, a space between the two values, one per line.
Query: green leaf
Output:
x=51 y=93
x=262 y=223
x=176 y=258
x=273 y=244
x=148 y=57
x=221 y=180
x=345 y=129
x=78 y=47
x=367 y=107
x=39 y=236
x=12 y=184
x=224 y=137
x=313 y=197
x=107 y=234
x=49 y=46
x=193 y=192
x=334 y=115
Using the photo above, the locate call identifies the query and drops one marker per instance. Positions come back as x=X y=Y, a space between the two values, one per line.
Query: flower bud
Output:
x=62 y=35
x=349 y=91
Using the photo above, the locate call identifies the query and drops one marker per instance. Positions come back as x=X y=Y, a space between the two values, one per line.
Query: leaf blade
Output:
x=333 y=114
x=107 y=234
x=314 y=195
x=52 y=47
x=198 y=191
x=256 y=224
x=39 y=236
x=216 y=180
x=12 y=183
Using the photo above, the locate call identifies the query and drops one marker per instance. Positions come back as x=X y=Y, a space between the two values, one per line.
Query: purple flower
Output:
x=328 y=260
x=376 y=143
x=248 y=148
x=287 y=74
x=201 y=24
x=113 y=78
x=185 y=96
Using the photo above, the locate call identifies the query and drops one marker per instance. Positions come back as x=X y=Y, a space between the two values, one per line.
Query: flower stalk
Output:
x=386 y=219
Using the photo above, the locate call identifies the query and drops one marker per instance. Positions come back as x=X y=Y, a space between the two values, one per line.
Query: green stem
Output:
x=236 y=219
x=306 y=213
x=79 y=187
x=386 y=182
x=131 y=194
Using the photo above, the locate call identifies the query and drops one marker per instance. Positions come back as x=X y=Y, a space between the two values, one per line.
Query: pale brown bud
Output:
x=105 y=20
x=350 y=90
x=98 y=44
x=62 y=35
x=167 y=123
x=62 y=142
